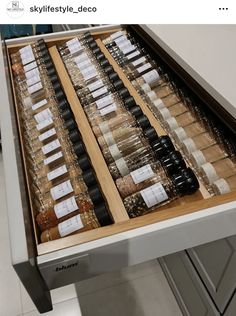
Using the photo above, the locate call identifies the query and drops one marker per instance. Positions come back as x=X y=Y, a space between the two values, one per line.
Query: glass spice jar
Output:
x=160 y=193
x=149 y=174
x=224 y=185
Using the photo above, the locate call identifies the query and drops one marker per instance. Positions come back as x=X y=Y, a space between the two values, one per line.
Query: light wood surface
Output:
x=107 y=184
x=166 y=213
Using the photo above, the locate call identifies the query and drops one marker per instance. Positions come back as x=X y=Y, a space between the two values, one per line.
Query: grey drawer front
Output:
x=216 y=264
x=231 y=310
x=187 y=287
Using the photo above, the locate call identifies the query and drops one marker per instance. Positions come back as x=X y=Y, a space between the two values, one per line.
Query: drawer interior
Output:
x=184 y=205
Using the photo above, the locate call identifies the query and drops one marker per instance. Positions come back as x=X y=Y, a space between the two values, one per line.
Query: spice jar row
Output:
x=66 y=194
x=127 y=140
x=193 y=129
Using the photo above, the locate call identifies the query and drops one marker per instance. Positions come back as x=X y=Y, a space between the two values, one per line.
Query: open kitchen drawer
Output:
x=184 y=223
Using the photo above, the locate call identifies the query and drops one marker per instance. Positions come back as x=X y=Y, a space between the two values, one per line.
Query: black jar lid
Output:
x=44 y=53
x=96 y=51
x=63 y=104
x=162 y=146
x=93 y=44
x=89 y=178
x=143 y=122
x=40 y=41
x=151 y=134
x=113 y=76
x=95 y=195
x=173 y=162
x=118 y=85
x=46 y=58
x=51 y=71
x=66 y=114
x=100 y=56
x=49 y=64
x=87 y=34
x=70 y=124
x=54 y=79
x=124 y=93
x=79 y=148
x=56 y=86
x=185 y=181
x=89 y=39
x=59 y=94
x=129 y=102
x=84 y=162
x=102 y=215
x=74 y=136
x=108 y=70
x=136 y=111
x=104 y=63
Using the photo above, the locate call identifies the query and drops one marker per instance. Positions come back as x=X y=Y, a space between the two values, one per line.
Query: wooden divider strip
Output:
x=153 y=121
x=107 y=184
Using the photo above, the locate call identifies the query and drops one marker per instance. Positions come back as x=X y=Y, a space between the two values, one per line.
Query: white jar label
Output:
x=61 y=190
x=109 y=109
x=65 y=207
x=104 y=101
x=26 y=50
x=122 y=167
x=70 y=226
x=36 y=87
x=104 y=128
x=52 y=158
x=27 y=58
x=46 y=149
x=158 y=104
x=138 y=61
x=120 y=39
x=39 y=104
x=43 y=115
x=99 y=92
x=44 y=124
x=32 y=73
x=142 y=174
x=151 y=77
x=82 y=57
x=151 y=96
x=57 y=172
x=89 y=73
x=221 y=186
x=180 y=134
x=144 y=68
x=95 y=85
x=209 y=172
x=117 y=34
x=154 y=195
x=115 y=152
x=189 y=145
x=72 y=42
x=84 y=64
x=127 y=49
x=198 y=158
x=172 y=123
x=33 y=80
x=165 y=113
x=124 y=44
x=75 y=48
x=145 y=87
x=109 y=139
x=47 y=134
x=29 y=67
x=132 y=55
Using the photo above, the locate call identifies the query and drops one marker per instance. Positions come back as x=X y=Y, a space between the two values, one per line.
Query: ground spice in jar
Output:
x=62 y=211
x=76 y=224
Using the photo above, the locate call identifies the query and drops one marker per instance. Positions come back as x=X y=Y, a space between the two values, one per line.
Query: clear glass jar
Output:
x=223 y=186
x=147 y=175
x=160 y=193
